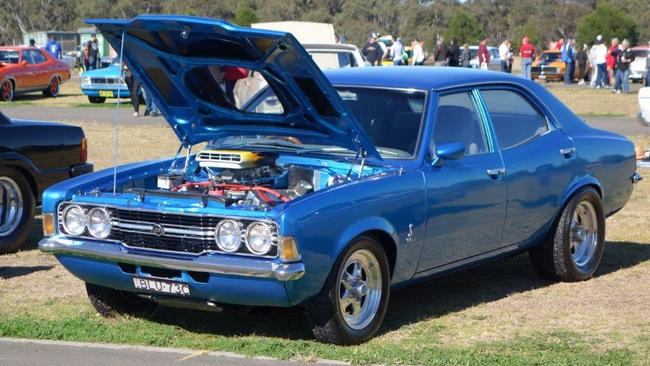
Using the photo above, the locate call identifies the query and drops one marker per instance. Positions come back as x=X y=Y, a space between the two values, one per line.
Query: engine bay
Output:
x=246 y=179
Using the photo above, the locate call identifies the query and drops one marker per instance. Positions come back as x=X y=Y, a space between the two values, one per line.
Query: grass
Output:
x=500 y=313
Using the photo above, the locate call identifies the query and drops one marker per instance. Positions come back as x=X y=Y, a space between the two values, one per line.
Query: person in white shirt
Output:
x=600 y=57
x=396 y=51
x=418 y=52
x=504 y=49
x=593 y=66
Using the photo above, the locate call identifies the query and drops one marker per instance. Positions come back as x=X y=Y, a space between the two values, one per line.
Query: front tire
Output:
x=16 y=210
x=573 y=249
x=353 y=302
x=110 y=303
x=96 y=100
x=7 y=92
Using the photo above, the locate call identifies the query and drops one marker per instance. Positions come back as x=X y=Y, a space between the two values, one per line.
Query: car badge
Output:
x=158 y=230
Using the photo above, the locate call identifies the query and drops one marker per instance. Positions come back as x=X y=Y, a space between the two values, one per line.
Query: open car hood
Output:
x=168 y=52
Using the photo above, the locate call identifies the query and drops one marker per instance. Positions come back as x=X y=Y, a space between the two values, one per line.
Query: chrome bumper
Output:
x=220 y=264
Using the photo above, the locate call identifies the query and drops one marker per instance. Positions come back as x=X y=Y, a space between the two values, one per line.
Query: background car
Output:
x=495 y=60
x=335 y=56
x=33 y=156
x=638 y=68
x=550 y=67
x=30 y=69
x=101 y=84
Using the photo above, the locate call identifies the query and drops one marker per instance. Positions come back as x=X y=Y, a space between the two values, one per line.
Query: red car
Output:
x=29 y=69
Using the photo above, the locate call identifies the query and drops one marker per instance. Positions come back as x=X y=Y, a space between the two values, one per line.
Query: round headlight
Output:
x=228 y=235
x=99 y=223
x=259 y=238
x=74 y=220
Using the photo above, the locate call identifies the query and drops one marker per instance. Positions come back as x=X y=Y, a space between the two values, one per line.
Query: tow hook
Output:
x=636 y=177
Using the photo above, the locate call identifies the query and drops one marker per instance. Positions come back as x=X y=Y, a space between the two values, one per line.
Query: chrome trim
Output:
x=225 y=265
x=274 y=241
x=65 y=211
x=110 y=221
x=216 y=235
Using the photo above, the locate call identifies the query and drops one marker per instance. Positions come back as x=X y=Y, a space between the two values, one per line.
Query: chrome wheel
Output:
x=7 y=91
x=583 y=234
x=360 y=288
x=11 y=206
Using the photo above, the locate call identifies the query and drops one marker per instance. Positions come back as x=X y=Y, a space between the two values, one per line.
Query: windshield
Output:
x=551 y=56
x=9 y=57
x=392 y=119
x=640 y=53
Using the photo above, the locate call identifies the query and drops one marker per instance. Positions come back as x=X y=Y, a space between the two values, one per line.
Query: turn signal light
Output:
x=48 y=224
x=288 y=249
x=84 y=150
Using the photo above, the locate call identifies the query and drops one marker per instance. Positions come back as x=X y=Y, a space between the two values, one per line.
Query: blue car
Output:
x=101 y=84
x=329 y=190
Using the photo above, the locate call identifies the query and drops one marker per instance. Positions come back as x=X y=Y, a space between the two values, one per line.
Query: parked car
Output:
x=335 y=56
x=638 y=68
x=30 y=69
x=33 y=156
x=327 y=190
x=550 y=67
x=495 y=59
x=100 y=84
x=644 y=107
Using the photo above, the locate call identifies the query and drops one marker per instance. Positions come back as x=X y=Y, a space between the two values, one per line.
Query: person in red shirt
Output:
x=527 y=54
x=612 y=54
x=483 y=55
x=231 y=75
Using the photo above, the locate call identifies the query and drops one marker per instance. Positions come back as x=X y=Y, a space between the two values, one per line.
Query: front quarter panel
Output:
x=325 y=223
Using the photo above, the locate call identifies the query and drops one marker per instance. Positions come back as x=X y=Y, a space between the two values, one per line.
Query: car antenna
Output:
x=117 y=120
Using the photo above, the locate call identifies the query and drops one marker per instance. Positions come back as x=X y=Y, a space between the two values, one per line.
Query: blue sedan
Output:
x=101 y=84
x=328 y=190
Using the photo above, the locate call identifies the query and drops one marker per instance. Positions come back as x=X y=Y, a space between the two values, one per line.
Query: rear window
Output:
x=9 y=57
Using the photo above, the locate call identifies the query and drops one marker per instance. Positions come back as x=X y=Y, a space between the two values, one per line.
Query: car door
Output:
x=41 y=70
x=539 y=159
x=466 y=198
x=26 y=78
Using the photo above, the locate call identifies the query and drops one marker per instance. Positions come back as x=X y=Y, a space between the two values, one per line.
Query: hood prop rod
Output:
x=117 y=120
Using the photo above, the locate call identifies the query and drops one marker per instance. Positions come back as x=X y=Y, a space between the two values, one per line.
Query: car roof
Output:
x=15 y=48
x=641 y=47
x=417 y=77
x=329 y=46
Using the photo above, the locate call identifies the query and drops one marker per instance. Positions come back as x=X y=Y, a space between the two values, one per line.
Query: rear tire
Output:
x=7 y=92
x=574 y=247
x=110 y=303
x=16 y=210
x=96 y=100
x=53 y=88
x=349 y=309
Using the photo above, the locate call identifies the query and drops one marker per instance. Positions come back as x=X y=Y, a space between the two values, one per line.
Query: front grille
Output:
x=103 y=81
x=214 y=156
x=543 y=69
x=181 y=233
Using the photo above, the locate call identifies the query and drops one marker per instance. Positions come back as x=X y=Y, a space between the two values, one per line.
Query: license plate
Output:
x=106 y=93
x=161 y=286
x=542 y=77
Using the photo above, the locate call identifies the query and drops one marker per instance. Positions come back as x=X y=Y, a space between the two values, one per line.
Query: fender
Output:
x=13 y=159
x=577 y=183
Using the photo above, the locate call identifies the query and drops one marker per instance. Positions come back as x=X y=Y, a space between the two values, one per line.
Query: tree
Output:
x=464 y=27
x=608 y=21
x=245 y=15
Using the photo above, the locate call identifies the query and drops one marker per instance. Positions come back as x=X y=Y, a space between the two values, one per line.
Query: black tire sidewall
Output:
x=17 y=238
x=335 y=329
x=568 y=270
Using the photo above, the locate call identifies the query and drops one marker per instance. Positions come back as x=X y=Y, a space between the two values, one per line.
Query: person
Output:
x=504 y=48
x=593 y=65
x=600 y=57
x=647 y=68
x=32 y=42
x=511 y=58
x=152 y=109
x=418 y=52
x=134 y=90
x=231 y=75
x=95 y=48
x=440 y=54
x=465 y=57
x=483 y=55
x=568 y=56
x=453 y=53
x=559 y=44
x=372 y=51
x=53 y=47
x=582 y=58
x=527 y=54
x=85 y=56
x=612 y=54
x=624 y=58
x=396 y=51
x=93 y=54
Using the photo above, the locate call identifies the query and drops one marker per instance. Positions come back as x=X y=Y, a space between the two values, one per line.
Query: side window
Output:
x=514 y=119
x=37 y=56
x=458 y=121
x=27 y=56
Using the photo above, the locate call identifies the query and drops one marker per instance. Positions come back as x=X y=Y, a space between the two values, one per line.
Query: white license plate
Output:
x=161 y=286
x=542 y=77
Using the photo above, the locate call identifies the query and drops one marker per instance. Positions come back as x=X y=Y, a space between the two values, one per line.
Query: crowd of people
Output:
x=599 y=65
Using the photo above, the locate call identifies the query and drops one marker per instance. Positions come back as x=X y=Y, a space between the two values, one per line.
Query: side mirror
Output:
x=449 y=151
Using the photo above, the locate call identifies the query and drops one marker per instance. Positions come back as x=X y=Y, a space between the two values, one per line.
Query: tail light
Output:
x=84 y=150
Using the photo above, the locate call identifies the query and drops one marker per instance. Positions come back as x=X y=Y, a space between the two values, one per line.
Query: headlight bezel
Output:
x=269 y=244
x=64 y=221
x=219 y=226
x=107 y=215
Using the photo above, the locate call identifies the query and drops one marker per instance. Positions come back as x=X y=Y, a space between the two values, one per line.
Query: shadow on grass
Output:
x=11 y=272
x=429 y=299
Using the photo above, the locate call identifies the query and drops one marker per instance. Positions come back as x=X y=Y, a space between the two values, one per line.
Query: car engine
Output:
x=245 y=178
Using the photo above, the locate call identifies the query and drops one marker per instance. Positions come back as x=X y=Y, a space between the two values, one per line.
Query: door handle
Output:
x=496 y=172
x=567 y=151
